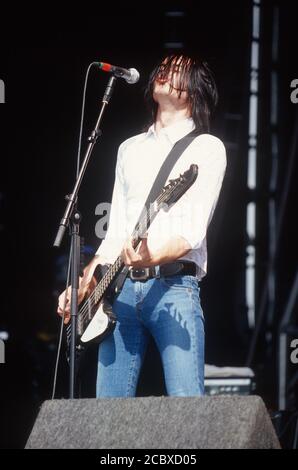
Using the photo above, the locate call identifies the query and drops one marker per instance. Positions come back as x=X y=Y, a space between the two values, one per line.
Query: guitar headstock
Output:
x=175 y=189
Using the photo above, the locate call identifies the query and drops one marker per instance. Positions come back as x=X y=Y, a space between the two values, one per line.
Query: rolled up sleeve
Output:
x=190 y=216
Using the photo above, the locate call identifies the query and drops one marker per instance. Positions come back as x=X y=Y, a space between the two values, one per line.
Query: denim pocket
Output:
x=180 y=282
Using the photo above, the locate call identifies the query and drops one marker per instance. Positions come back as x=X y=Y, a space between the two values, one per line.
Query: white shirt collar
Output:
x=175 y=131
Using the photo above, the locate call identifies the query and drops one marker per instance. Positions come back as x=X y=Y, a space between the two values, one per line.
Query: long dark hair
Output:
x=197 y=79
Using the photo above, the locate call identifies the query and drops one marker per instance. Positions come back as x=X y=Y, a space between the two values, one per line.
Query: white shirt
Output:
x=138 y=162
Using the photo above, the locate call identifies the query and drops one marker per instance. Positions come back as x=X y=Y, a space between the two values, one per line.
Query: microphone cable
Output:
x=58 y=355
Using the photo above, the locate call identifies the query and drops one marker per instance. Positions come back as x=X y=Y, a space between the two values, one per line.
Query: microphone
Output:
x=130 y=75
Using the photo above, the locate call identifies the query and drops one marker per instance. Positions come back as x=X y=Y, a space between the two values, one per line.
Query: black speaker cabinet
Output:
x=218 y=422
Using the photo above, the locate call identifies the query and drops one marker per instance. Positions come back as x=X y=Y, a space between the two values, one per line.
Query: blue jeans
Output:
x=169 y=309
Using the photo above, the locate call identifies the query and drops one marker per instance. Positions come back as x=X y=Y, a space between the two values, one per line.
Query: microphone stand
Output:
x=72 y=217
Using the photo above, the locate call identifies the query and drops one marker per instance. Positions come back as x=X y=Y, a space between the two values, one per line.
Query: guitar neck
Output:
x=113 y=271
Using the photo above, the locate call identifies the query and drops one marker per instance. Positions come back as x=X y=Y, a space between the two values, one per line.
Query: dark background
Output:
x=43 y=61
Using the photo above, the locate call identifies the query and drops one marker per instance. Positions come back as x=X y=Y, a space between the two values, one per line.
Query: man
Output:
x=165 y=303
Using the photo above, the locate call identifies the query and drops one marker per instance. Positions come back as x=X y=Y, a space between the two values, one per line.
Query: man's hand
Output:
x=64 y=301
x=87 y=284
x=143 y=257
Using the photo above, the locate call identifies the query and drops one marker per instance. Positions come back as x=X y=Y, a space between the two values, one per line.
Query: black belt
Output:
x=170 y=269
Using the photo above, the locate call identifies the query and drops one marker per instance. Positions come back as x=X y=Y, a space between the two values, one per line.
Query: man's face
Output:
x=169 y=82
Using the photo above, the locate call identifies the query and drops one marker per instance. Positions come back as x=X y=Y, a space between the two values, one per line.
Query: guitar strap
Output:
x=159 y=182
x=166 y=168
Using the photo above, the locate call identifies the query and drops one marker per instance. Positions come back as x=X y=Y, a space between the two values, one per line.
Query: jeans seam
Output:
x=132 y=367
x=196 y=339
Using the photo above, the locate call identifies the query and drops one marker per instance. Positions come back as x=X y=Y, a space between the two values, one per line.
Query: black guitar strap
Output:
x=167 y=166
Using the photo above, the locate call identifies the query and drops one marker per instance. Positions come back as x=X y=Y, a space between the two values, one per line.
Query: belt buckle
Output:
x=143 y=276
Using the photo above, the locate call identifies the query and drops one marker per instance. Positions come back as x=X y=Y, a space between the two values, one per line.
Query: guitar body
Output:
x=95 y=320
x=102 y=322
